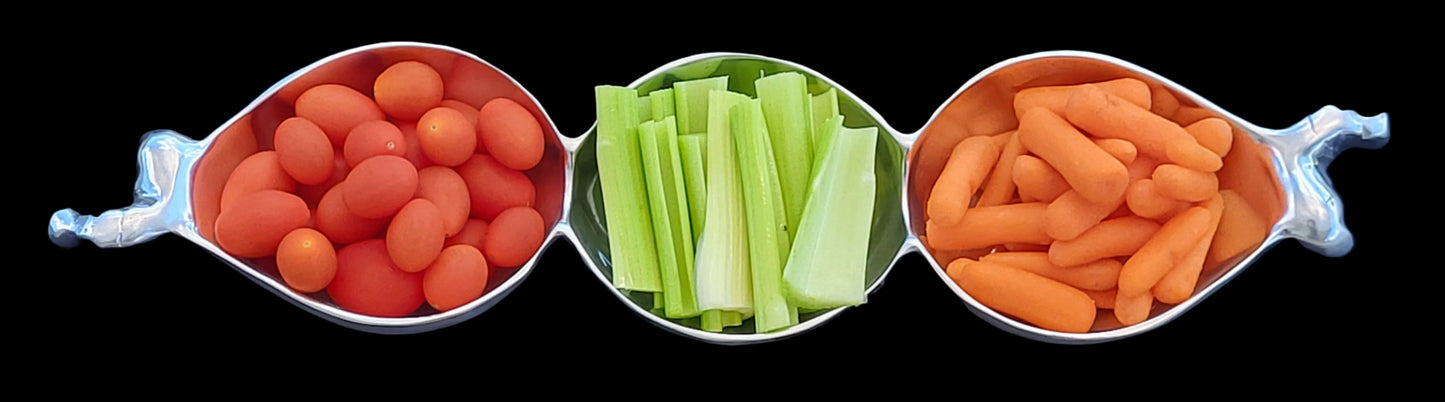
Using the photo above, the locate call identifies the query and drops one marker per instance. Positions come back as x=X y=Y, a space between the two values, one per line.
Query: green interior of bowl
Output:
x=888 y=232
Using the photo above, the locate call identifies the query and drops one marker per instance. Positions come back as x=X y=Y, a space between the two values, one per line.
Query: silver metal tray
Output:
x=570 y=200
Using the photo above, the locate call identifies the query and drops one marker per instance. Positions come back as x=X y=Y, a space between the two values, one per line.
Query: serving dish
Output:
x=175 y=187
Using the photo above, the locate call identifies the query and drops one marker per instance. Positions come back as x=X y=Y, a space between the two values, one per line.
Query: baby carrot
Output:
x=988 y=226
x=1162 y=252
x=1130 y=310
x=1241 y=228
x=942 y=255
x=955 y=268
x=1025 y=247
x=1184 y=184
x=1188 y=152
x=967 y=166
x=1000 y=187
x=1250 y=169
x=1072 y=214
x=1036 y=180
x=1142 y=168
x=1213 y=133
x=1144 y=200
x=1103 y=299
x=1111 y=238
x=1163 y=101
x=1178 y=284
x=1122 y=150
x=1031 y=298
x=1090 y=171
x=1107 y=116
x=1120 y=212
x=1055 y=98
x=1187 y=115
x=933 y=147
x=1096 y=275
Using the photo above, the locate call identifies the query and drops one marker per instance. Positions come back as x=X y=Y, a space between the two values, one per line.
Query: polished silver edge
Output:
x=1314 y=213
x=718 y=338
x=1260 y=135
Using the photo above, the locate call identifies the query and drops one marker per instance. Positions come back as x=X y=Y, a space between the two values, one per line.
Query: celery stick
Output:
x=679 y=205
x=712 y=320
x=826 y=132
x=732 y=318
x=825 y=106
x=716 y=320
x=670 y=224
x=691 y=100
x=787 y=109
x=826 y=266
x=724 y=280
x=645 y=133
x=633 y=254
x=662 y=104
x=644 y=109
x=694 y=173
x=767 y=237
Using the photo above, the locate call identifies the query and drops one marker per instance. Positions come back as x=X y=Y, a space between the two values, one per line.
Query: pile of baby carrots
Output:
x=1094 y=202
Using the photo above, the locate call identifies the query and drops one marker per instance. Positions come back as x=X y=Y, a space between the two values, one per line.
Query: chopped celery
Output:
x=826 y=132
x=694 y=173
x=662 y=104
x=767 y=234
x=826 y=266
x=787 y=109
x=732 y=318
x=670 y=224
x=712 y=320
x=825 y=106
x=724 y=280
x=716 y=320
x=633 y=254
x=691 y=100
x=644 y=109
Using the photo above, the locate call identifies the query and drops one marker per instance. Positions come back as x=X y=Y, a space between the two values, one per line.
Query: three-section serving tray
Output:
x=180 y=180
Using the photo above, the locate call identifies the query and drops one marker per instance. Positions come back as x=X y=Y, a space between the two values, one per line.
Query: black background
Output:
x=86 y=98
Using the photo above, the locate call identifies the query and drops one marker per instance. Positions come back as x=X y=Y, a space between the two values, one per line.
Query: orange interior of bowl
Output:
x=464 y=79
x=986 y=108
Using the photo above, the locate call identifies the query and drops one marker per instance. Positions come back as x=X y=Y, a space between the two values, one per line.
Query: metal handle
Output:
x=164 y=157
x=1315 y=215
